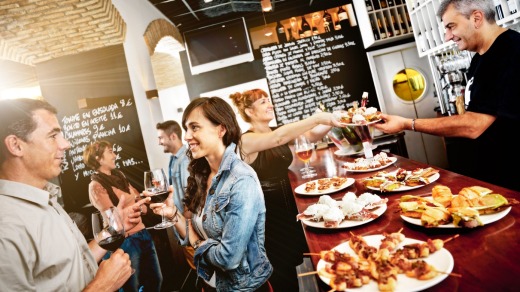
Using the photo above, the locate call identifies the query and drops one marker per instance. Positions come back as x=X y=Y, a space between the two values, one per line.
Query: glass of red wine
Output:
x=108 y=229
x=156 y=182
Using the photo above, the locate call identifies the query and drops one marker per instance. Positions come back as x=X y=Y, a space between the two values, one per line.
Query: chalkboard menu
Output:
x=325 y=67
x=86 y=120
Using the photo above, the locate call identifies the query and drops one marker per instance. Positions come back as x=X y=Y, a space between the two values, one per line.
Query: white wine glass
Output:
x=303 y=149
x=108 y=229
x=156 y=182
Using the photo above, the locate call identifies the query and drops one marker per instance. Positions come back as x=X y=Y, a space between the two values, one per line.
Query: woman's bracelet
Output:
x=174 y=214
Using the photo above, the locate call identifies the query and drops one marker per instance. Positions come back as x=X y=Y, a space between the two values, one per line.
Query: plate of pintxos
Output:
x=401 y=179
x=348 y=212
x=472 y=207
x=324 y=186
x=378 y=162
x=418 y=265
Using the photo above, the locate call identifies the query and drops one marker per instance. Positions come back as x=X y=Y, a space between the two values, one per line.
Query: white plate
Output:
x=357 y=125
x=301 y=188
x=393 y=160
x=346 y=223
x=486 y=219
x=350 y=151
x=442 y=260
x=431 y=179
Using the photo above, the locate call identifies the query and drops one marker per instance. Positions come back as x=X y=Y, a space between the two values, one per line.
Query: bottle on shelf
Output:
x=398 y=2
x=374 y=30
x=388 y=27
x=390 y=3
x=280 y=31
x=376 y=4
x=397 y=31
x=401 y=23
x=511 y=4
x=383 y=4
x=382 y=32
x=306 y=28
x=327 y=21
x=343 y=18
x=498 y=9
x=410 y=27
x=368 y=4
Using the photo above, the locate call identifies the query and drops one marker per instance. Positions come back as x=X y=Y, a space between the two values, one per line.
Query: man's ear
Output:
x=478 y=18
x=14 y=145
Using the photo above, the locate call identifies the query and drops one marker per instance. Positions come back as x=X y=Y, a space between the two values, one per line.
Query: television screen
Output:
x=218 y=45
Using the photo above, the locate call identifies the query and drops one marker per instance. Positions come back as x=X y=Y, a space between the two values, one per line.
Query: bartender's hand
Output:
x=392 y=124
x=112 y=273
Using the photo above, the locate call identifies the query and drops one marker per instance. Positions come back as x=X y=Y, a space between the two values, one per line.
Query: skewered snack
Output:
x=346 y=271
x=391 y=240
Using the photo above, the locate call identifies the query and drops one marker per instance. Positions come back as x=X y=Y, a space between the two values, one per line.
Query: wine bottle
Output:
x=347 y=133
x=511 y=4
x=383 y=4
x=376 y=4
x=306 y=27
x=397 y=31
x=327 y=21
x=343 y=18
x=388 y=28
x=498 y=9
x=280 y=31
x=390 y=2
x=368 y=4
x=374 y=30
x=410 y=27
x=382 y=32
x=403 y=27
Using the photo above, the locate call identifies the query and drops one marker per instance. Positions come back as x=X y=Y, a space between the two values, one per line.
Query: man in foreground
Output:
x=42 y=248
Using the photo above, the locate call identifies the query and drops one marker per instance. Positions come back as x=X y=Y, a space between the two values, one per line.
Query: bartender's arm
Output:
x=469 y=125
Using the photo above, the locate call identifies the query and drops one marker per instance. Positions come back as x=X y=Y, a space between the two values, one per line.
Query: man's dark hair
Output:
x=170 y=127
x=16 y=118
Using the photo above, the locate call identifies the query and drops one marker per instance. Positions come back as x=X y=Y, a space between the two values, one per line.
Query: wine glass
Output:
x=303 y=149
x=156 y=182
x=108 y=229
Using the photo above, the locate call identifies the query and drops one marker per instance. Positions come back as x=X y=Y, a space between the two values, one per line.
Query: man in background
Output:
x=170 y=137
x=42 y=249
x=486 y=130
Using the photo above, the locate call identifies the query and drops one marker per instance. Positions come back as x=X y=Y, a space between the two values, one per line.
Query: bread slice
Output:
x=473 y=194
x=442 y=194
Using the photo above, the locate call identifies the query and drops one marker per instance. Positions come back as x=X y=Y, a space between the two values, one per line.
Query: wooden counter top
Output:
x=487 y=257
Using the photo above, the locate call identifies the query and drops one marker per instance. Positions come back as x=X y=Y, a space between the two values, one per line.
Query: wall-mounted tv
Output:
x=218 y=45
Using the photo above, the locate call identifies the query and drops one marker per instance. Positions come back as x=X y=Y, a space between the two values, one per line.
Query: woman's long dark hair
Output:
x=218 y=112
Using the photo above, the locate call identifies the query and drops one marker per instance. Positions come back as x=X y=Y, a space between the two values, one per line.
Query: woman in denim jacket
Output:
x=227 y=228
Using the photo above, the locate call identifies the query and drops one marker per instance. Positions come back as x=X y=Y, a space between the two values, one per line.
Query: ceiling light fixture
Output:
x=266 y=5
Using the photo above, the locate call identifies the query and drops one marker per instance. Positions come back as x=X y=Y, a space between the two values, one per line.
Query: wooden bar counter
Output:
x=487 y=257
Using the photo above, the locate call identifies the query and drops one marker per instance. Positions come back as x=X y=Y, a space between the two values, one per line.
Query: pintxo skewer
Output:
x=346 y=271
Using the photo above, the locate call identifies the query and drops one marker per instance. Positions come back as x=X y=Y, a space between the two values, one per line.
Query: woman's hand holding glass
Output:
x=166 y=208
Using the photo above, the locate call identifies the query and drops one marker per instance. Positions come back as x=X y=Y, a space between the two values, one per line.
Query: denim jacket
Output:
x=234 y=220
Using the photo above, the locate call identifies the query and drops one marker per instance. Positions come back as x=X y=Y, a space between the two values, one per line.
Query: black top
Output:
x=493 y=85
x=273 y=162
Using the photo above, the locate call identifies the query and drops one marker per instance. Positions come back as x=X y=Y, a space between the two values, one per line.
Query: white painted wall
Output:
x=138 y=15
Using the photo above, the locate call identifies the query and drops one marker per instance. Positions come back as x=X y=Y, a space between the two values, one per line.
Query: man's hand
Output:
x=112 y=273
